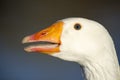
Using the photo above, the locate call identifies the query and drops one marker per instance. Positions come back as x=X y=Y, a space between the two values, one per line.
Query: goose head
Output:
x=79 y=40
x=72 y=39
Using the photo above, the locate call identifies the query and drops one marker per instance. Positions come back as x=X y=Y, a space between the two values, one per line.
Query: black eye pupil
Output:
x=77 y=26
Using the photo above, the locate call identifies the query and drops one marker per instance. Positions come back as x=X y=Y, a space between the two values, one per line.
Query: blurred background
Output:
x=19 y=18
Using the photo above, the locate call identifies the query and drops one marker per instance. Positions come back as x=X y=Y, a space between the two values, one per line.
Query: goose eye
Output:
x=77 y=26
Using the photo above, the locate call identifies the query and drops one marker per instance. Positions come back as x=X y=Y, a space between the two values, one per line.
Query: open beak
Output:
x=50 y=38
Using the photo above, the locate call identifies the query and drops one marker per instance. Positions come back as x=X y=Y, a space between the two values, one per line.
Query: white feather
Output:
x=92 y=47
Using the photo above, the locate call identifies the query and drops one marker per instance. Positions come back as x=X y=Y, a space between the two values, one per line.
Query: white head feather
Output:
x=91 y=46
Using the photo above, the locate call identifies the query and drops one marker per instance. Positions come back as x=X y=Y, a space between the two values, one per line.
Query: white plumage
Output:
x=91 y=46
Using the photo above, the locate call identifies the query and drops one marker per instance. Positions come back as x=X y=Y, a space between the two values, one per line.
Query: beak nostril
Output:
x=43 y=33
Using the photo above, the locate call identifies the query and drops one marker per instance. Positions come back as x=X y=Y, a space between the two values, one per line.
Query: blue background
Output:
x=19 y=18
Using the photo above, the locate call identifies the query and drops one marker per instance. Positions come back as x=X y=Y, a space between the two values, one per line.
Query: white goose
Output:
x=80 y=40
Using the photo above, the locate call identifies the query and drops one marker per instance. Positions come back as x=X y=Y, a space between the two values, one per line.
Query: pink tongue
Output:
x=47 y=46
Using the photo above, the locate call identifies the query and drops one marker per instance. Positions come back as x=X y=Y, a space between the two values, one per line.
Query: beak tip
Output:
x=25 y=40
x=27 y=50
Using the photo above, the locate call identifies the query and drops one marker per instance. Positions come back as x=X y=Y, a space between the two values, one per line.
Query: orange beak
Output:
x=50 y=36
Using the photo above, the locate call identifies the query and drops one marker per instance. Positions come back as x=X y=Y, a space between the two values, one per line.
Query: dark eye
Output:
x=77 y=26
